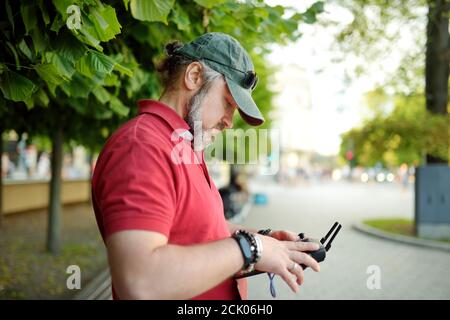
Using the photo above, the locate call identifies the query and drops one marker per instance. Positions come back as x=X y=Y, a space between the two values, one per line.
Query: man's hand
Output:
x=285 y=257
x=284 y=235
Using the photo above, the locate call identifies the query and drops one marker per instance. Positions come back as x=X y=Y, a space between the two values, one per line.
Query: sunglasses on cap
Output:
x=250 y=78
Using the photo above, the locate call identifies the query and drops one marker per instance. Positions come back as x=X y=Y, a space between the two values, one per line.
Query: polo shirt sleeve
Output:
x=136 y=189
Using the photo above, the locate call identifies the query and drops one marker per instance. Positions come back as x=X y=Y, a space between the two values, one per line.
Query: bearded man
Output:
x=158 y=210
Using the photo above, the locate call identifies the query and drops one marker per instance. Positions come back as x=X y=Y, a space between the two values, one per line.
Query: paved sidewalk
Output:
x=98 y=289
x=407 y=272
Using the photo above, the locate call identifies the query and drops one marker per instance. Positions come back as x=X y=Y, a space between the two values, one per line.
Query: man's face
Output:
x=213 y=111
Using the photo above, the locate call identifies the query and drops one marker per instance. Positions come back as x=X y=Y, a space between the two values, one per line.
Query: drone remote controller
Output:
x=319 y=255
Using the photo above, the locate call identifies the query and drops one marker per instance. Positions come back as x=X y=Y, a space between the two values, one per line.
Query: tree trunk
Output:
x=54 y=207
x=437 y=62
x=1 y=175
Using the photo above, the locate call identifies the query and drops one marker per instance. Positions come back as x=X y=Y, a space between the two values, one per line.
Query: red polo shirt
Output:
x=148 y=177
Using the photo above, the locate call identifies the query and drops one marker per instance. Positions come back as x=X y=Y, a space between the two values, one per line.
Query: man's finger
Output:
x=290 y=236
x=302 y=246
x=306 y=259
x=306 y=246
x=298 y=272
x=284 y=235
x=286 y=276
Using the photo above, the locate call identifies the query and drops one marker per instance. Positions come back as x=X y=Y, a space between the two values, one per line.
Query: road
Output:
x=405 y=271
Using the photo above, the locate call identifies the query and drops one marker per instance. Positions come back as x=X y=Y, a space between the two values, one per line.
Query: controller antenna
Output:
x=322 y=241
x=328 y=246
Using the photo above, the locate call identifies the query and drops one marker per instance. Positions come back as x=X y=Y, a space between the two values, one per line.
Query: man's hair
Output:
x=175 y=64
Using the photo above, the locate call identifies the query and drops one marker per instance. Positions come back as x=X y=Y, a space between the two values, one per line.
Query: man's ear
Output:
x=193 y=76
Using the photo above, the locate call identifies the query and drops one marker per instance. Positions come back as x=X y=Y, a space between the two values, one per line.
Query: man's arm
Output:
x=144 y=266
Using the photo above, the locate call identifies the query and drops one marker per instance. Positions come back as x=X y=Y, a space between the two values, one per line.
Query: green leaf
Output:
x=29 y=102
x=9 y=14
x=123 y=70
x=78 y=87
x=64 y=66
x=25 y=50
x=100 y=63
x=82 y=66
x=41 y=98
x=14 y=52
x=310 y=15
x=102 y=95
x=55 y=71
x=111 y=80
x=62 y=5
x=157 y=35
x=69 y=47
x=126 y=2
x=105 y=22
x=44 y=12
x=117 y=106
x=209 y=3
x=28 y=13
x=136 y=82
x=151 y=10
x=88 y=35
x=181 y=18
x=318 y=7
x=49 y=74
x=16 y=87
x=102 y=114
x=40 y=40
x=57 y=24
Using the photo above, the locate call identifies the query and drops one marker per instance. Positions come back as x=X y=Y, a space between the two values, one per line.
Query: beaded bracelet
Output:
x=255 y=248
x=265 y=232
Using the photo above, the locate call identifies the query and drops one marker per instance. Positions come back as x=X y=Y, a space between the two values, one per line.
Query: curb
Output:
x=401 y=238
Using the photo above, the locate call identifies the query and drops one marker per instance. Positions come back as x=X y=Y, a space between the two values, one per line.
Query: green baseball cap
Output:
x=225 y=54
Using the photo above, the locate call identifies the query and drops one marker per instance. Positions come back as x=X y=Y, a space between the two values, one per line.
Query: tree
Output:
x=47 y=69
x=374 y=32
x=1 y=174
x=437 y=64
x=72 y=69
x=403 y=135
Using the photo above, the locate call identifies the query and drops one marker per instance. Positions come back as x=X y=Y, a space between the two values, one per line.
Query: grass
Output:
x=397 y=226
x=27 y=271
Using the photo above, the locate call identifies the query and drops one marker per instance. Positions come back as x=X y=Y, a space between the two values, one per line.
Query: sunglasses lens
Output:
x=251 y=80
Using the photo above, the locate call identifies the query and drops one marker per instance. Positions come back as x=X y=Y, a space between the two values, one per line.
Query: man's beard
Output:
x=202 y=138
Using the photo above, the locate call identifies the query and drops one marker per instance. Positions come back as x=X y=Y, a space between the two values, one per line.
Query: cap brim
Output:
x=247 y=106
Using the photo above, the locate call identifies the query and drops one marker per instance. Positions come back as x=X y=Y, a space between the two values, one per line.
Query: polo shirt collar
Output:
x=163 y=111
x=180 y=127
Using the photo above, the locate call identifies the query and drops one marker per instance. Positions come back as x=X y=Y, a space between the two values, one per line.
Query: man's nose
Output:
x=228 y=119
x=228 y=122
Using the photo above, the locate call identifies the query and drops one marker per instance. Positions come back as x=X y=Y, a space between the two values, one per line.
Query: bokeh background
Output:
x=356 y=89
